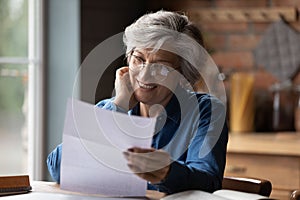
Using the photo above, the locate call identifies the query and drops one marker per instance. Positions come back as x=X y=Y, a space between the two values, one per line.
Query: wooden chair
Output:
x=295 y=195
x=250 y=185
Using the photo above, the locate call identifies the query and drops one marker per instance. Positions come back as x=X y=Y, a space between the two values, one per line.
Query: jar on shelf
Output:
x=242 y=107
x=283 y=107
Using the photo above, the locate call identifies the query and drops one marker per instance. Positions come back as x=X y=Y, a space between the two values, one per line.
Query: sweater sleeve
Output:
x=53 y=163
x=108 y=104
x=204 y=165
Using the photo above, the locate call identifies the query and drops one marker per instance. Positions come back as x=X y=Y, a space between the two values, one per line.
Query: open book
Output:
x=217 y=195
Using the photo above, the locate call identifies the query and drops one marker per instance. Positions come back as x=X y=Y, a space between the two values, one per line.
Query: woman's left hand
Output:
x=150 y=164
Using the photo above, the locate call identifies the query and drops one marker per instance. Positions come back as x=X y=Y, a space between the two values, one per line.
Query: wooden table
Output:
x=51 y=187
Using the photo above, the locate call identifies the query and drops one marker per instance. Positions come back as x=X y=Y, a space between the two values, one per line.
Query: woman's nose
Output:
x=146 y=72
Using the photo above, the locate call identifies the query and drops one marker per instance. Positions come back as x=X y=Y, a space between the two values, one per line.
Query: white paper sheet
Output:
x=194 y=195
x=93 y=142
x=232 y=194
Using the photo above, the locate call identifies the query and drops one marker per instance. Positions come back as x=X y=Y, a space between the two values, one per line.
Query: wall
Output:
x=231 y=45
x=101 y=20
x=62 y=62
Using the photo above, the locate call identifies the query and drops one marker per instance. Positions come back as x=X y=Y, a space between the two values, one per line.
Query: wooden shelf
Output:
x=244 y=15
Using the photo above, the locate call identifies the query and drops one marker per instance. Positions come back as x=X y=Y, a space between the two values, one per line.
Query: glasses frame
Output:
x=158 y=75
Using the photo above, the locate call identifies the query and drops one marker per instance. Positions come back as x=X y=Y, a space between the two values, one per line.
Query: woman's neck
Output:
x=153 y=110
x=144 y=110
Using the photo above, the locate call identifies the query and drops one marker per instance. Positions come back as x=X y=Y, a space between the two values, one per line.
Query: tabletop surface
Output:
x=52 y=187
x=51 y=191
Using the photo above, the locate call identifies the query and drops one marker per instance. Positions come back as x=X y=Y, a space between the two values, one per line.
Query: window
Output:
x=21 y=82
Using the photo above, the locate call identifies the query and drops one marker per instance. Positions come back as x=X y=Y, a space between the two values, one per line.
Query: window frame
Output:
x=35 y=62
x=36 y=85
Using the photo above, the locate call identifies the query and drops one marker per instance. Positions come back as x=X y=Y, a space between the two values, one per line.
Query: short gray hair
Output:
x=155 y=30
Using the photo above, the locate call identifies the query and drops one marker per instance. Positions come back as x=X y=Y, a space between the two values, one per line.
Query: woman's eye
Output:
x=138 y=59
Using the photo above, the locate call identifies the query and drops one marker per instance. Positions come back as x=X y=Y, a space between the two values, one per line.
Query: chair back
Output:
x=295 y=195
x=251 y=185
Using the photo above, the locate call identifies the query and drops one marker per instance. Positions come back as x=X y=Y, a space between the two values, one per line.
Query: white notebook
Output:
x=218 y=195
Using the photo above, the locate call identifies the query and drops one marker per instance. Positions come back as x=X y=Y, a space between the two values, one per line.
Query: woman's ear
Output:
x=126 y=60
x=127 y=57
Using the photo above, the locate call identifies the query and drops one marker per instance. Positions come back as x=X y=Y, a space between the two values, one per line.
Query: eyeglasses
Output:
x=158 y=70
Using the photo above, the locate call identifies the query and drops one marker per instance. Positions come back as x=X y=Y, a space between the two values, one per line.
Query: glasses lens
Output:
x=157 y=70
x=135 y=63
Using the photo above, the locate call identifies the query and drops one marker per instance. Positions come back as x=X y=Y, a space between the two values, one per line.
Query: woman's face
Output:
x=153 y=87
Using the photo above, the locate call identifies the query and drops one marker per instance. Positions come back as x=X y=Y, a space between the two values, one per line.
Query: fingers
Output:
x=149 y=164
x=123 y=70
x=124 y=97
x=149 y=176
x=152 y=176
x=141 y=150
x=148 y=159
x=122 y=77
x=137 y=162
x=122 y=74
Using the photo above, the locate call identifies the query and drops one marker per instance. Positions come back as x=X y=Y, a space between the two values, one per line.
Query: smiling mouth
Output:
x=146 y=86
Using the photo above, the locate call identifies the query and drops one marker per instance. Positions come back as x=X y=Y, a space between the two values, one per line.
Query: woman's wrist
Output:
x=123 y=104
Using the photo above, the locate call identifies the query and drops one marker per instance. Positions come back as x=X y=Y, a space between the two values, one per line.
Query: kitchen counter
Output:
x=271 y=156
x=282 y=143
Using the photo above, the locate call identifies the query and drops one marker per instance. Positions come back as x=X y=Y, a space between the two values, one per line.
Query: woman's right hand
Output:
x=124 y=92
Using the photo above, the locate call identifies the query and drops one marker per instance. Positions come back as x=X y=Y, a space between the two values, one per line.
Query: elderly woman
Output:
x=165 y=61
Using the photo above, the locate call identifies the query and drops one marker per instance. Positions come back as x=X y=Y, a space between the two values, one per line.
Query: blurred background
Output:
x=13 y=84
x=44 y=42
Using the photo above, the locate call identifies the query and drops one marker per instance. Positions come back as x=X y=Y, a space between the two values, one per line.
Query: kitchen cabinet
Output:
x=271 y=156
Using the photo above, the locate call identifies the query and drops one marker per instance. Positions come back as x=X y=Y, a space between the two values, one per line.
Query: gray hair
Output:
x=172 y=31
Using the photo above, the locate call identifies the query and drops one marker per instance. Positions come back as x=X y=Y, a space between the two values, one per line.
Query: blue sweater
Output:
x=194 y=132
